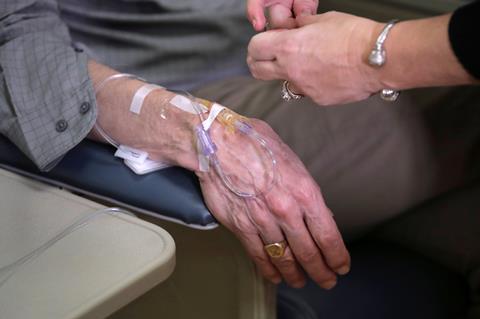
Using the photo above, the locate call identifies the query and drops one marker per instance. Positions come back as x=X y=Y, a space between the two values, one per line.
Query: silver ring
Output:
x=389 y=95
x=287 y=94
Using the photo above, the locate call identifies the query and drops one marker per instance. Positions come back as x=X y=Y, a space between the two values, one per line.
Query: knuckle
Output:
x=323 y=276
x=330 y=240
x=278 y=206
x=305 y=190
x=281 y=208
x=286 y=263
x=308 y=257
x=290 y=47
x=262 y=221
x=260 y=259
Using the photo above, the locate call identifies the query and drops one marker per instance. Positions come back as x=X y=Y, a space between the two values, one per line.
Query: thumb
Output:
x=305 y=7
x=304 y=20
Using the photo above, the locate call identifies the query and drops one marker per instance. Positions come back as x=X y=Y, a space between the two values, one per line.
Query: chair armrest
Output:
x=91 y=169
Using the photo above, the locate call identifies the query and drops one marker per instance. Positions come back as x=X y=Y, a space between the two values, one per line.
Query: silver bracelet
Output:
x=378 y=57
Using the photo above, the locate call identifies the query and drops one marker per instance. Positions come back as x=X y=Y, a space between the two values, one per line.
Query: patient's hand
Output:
x=292 y=210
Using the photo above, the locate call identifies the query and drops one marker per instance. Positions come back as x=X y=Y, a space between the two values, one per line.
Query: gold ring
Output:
x=276 y=250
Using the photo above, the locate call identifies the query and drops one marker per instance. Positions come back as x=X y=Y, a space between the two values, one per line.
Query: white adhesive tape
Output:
x=146 y=167
x=186 y=104
x=140 y=95
x=131 y=154
x=214 y=111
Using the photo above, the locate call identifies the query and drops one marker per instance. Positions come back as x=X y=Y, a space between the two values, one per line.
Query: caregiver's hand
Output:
x=281 y=13
x=323 y=58
x=326 y=57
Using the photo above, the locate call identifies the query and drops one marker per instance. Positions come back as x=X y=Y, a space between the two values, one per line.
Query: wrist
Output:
x=371 y=76
x=169 y=132
x=419 y=55
x=162 y=130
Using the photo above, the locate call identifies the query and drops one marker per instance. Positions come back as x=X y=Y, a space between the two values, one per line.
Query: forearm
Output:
x=419 y=54
x=162 y=130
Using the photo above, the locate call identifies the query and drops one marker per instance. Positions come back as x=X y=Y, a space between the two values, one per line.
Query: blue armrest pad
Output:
x=90 y=168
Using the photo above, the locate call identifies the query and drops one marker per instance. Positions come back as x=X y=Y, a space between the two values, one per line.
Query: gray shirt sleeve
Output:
x=47 y=102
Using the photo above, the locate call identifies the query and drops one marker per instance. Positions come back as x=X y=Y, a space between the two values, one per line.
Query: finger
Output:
x=281 y=17
x=290 y=269
x=271 y=233
x=304 y=248
x=265 y=70
x=239 y=225
x=308 y=254
x=305 y=7
x=324 y=230
x=263 y=46
x=303 y=20
x=254 y=247
x=255 y=14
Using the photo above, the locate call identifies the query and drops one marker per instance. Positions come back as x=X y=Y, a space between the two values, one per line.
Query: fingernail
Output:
x=254 y=23
x=306 y=12
x=329 y=284
x=298 y=284
x=343 y=270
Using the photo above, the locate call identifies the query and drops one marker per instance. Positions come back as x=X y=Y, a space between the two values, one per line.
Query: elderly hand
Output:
x=325 y=58
x=289 y=207
x=281 y=13
x=292 y=210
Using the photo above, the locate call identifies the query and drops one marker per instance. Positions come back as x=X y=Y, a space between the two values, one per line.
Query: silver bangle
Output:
x=378 y=57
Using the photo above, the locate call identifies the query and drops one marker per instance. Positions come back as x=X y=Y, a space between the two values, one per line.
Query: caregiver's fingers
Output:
x=265 y=45
x=265 y=70
x=281 y=17
x=305 y=7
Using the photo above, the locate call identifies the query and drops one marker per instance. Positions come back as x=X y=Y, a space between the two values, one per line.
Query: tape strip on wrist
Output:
x=141 y=95
x=214 y=111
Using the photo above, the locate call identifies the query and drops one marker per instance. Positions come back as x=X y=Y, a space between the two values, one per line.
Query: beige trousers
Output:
x=376 y=162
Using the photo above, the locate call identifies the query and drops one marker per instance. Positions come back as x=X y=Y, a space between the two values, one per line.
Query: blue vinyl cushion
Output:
x=90 y=168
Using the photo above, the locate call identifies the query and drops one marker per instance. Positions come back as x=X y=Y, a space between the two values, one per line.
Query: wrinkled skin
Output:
x=293 y=209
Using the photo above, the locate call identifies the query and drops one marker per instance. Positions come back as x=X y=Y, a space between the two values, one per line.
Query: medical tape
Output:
x=214 y=111
x=131 y=154
x=140 y=95
x=135 y=157
x=186 y=104
x=146 y=167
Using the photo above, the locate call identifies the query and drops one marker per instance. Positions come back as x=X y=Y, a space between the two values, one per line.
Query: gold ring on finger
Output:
x=276 y=250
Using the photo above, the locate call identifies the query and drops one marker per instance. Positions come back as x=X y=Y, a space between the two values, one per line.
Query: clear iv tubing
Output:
x=9 y=270
x=97 y=126
x=209 y=151
x=208 y=147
